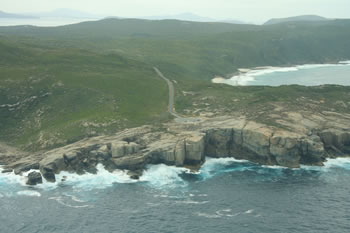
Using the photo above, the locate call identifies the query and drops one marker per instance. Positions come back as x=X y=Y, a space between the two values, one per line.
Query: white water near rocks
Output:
x=224 y=195
x=308 y=74
x=156 y=176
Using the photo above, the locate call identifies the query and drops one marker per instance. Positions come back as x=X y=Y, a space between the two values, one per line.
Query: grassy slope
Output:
x=72 y=87
x=99 y=77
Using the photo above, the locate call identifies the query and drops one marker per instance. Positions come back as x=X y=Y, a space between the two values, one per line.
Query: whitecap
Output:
x=61 y=201
x=275 y=167
x=192 y=202
x=206 y=215
x=249 y=211
x=226 y=213
x=29 y=193
x=162 y=175
x=1 y=195
x=74 y=198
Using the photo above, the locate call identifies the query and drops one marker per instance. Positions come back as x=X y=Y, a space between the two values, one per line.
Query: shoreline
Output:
x=188 y=145
x=243 y=73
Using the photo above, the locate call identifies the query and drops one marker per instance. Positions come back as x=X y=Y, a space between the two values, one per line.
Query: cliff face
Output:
x=310 y=142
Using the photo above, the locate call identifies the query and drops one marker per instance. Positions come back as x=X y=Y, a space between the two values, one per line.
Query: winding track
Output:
x=171 y=108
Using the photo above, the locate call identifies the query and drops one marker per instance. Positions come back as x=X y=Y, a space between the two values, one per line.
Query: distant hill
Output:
x=191 y=17
x=295 y=19
x=66 y=13
x=183 y=16
x=15 y=16
x=61 y=84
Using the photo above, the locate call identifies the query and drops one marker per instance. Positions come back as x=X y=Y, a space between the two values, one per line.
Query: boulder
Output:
x=104 y=152
x=7 y=170
x=26 y=168
x=131 y=162
x=122 y=148
x=48 y=173
x=135 y=175
x=34 y=178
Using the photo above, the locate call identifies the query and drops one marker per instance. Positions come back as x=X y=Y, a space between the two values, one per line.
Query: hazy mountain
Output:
x=191 y=17
x=67 y=13
x=296 y=18
x=183 y=16
x=15 y=16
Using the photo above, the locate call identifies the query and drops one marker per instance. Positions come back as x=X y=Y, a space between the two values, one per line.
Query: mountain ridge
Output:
x=305 y=18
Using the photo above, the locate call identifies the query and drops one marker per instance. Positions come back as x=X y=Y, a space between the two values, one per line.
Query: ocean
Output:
x=43 y=22
x=226 y=195
x=307 y=75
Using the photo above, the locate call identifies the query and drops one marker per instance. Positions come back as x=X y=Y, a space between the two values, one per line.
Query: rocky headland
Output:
x=301 y=138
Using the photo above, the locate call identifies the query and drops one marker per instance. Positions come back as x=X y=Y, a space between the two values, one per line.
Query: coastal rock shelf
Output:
x=301 y=139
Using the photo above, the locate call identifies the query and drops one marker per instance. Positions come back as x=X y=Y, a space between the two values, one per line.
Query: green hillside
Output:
x=51 y=97
x=60 y=84
x=303 y=18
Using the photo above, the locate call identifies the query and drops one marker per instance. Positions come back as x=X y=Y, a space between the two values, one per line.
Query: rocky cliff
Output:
x=300 y=139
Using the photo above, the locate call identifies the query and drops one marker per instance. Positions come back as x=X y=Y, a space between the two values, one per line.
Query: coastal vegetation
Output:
x=61 y=84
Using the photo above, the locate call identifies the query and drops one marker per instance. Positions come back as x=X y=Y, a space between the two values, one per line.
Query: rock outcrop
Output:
x=34 y=178
x=310 y=141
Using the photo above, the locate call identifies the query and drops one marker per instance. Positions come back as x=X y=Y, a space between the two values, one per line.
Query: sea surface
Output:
x=226 y=195
x=43 y=21
x=307 y=75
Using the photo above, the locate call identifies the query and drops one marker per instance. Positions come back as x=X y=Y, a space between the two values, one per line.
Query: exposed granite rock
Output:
x=9 y=170
x=336 y=141
x=194 y=149
x=34 y=178
x=130 y=162
x=122 y=148
x=26 y=168
x=180 y=153
x=302 y=140
x=48 y=172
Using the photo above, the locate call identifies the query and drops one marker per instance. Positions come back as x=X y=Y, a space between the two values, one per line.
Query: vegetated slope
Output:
x=305 y=18
x=53 y=97
x=192 y=50
x=63 y=83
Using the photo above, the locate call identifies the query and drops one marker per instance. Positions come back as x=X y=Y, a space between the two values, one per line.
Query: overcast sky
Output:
x=248 y=10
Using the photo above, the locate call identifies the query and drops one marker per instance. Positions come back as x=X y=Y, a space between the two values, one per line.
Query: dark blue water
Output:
x=225 y=196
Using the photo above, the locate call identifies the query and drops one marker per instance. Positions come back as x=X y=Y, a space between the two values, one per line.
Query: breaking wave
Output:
x=248 y=76
x=159 y=176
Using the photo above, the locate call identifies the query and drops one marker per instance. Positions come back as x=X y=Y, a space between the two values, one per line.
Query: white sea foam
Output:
x=338 y=163
x=249 y=75
x=61 y=200
x=29 y=193
x=227 y=213
x=164 y=176
x=192 y=202
x=206 y=215
x=100 y=180
x=249 y=211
